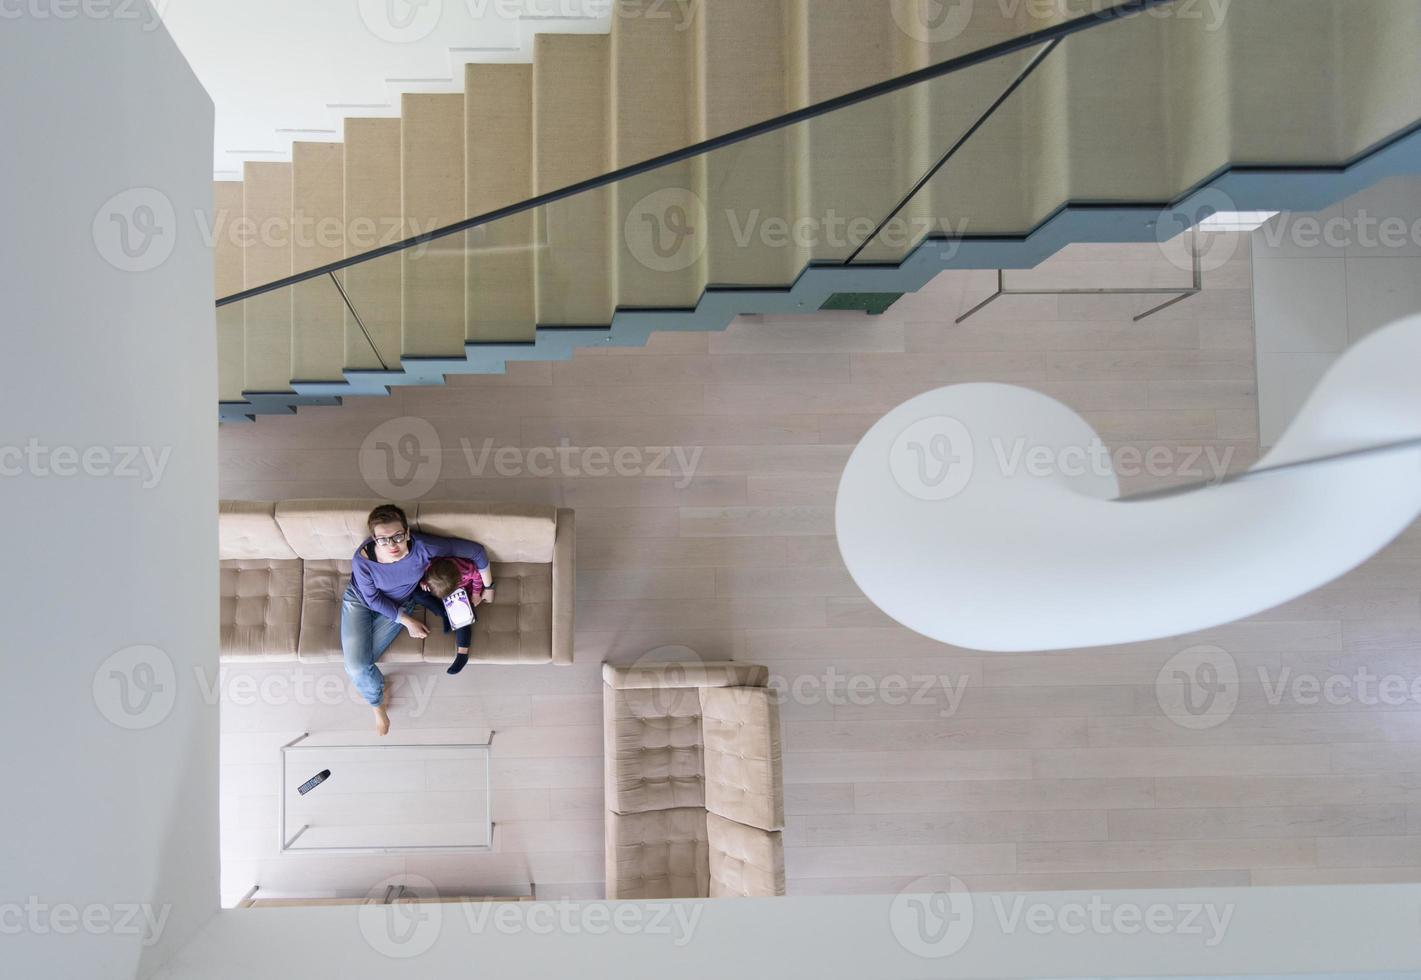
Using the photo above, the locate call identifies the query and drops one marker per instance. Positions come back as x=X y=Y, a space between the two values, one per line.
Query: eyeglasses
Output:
x=393 y=540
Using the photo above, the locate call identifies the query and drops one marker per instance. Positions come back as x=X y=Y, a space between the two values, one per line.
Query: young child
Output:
x=443 y=578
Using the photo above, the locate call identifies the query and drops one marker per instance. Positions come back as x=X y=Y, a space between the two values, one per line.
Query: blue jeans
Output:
x=364 y=636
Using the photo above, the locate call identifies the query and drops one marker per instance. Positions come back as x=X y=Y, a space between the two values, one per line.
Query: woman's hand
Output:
x=417 y=630
x=486 y=595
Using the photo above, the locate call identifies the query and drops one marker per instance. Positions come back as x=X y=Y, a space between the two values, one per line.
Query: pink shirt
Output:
x=469 y=578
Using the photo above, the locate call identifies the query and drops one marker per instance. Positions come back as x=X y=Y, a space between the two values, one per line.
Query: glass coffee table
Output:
x=348 y=793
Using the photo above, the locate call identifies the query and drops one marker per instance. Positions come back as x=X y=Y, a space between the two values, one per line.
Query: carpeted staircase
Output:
x=1130 y=112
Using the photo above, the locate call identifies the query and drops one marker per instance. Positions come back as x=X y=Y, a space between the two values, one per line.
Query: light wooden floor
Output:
x=1055 y=770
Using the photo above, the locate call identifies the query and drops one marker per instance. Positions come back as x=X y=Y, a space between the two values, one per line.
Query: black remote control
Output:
x=314 y=781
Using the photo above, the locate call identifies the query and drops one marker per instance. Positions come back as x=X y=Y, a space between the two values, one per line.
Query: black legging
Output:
x=463 y=636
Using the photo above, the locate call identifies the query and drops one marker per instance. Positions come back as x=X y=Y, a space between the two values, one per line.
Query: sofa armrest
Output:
x=564 y=574
x=714 y=673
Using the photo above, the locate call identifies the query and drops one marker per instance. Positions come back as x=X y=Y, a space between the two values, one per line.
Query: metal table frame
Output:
x=1183 y=293
x=284 y=843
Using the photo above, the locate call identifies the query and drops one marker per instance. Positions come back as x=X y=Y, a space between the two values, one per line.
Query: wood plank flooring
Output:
x=902 y=757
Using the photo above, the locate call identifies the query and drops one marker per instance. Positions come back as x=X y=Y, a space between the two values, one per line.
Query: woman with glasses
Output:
x=384 y=593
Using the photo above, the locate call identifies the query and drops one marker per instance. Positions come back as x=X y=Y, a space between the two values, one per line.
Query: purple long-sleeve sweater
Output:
x=385 y=587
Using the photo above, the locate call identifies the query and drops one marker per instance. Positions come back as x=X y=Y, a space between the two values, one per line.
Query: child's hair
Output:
x=443 y=577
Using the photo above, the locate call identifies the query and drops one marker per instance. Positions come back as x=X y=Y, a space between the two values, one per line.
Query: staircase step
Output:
x=227 y=257
x=657 y=224
x=572 y=137
x=742 y=63
x=266 y=206
x=432 y=178
x=498 y=141
x=318 y=222
x=373 y=218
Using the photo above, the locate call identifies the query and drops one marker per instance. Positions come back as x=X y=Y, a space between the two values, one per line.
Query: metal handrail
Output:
x=992 y=52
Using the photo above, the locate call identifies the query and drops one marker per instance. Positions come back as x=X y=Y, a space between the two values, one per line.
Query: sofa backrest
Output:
x=510 y=532
x=247 y=530
x=331 y=529
x=328 y=530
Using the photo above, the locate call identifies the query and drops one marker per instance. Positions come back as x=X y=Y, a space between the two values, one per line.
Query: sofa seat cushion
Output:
x=652 y=740
x=744 y=772
x=516 y=628
x=744 y=861
x=662 y=854
x=261 y=608
x=325 y=583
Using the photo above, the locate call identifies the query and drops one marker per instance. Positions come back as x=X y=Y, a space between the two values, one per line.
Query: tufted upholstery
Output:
x=286 y=567
x=324 y=587
x=654 y=756
x=744 y=774
x=743 y=860
x=699 y=739
x=260 y=609
x=660 y=854
x=248 y=529
x=516 y=628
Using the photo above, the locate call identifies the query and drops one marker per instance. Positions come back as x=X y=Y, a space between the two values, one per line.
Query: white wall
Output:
x=1323 y=281
x=101 y=352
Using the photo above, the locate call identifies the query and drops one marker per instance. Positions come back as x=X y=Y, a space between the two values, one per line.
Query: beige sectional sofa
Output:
x=285 y=567
x=694 y=786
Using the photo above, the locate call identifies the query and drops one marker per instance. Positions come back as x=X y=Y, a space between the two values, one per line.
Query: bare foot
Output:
x=382 y=717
